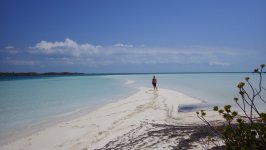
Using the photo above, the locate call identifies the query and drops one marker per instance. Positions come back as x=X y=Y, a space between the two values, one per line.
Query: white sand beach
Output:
x=129 y=116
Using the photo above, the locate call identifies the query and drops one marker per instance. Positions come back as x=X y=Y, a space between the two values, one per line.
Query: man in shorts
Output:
x=154 y=82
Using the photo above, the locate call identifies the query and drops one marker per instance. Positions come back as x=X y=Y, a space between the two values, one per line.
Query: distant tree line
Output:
x=3 y=74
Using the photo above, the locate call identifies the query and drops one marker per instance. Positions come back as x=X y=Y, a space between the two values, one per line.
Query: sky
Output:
x=132 y=36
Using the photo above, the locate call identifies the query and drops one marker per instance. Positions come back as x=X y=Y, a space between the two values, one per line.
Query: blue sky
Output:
x=132 y=36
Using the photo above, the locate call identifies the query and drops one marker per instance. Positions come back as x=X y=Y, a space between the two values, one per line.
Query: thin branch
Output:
x=252 y=106
x=248 y=95
x=261 y=98
x=259 y=83
x=244 y=104
x=263 y=88
x=253 y=91
x=212 y=129
x=242 y=109
x=243 y=97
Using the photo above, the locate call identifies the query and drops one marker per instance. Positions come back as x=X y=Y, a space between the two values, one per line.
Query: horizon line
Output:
x=117 y=73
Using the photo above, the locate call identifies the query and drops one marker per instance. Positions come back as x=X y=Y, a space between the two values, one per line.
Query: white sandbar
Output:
x=96 y=128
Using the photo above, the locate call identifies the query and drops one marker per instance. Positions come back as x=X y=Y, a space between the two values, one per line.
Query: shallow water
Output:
x=27 y=101
x=24 y=101
x=211 y=88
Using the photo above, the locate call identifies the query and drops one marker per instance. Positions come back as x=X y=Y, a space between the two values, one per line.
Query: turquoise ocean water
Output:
x=27 y=101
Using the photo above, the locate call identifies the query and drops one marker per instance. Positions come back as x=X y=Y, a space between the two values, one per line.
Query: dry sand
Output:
x=117 y=121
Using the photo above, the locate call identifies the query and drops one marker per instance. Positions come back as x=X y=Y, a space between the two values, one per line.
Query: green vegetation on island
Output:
x=12 y=74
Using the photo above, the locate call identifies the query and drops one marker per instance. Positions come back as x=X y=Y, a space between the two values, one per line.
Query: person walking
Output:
x=154 y=83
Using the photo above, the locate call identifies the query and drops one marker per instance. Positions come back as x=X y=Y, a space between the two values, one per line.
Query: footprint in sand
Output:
x=61 y=145
x=151 y=92
x=77 y=126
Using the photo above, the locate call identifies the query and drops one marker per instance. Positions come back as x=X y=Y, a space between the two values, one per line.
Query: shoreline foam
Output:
x=95 y=129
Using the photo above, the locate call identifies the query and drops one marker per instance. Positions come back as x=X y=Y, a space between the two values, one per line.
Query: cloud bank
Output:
x=67 y=47
x=120 y=57
x=71 y=52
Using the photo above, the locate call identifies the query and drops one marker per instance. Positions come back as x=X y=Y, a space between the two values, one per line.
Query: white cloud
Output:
x=67 y=47
x=68 y=43
x=123 y=45
x=10 y=50
x=212 y=63
x=9 y=47
x=74 y=53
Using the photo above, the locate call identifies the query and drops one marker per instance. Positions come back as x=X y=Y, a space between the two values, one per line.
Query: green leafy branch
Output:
x=248 y=130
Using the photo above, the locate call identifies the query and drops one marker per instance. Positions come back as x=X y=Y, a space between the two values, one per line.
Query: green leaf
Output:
x=215 y=108
x=262 y=65
x=234 y=113
x=241 y=85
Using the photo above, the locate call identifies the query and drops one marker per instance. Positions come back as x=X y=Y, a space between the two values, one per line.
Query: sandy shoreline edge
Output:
x=95 y=129
x=34 y=127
